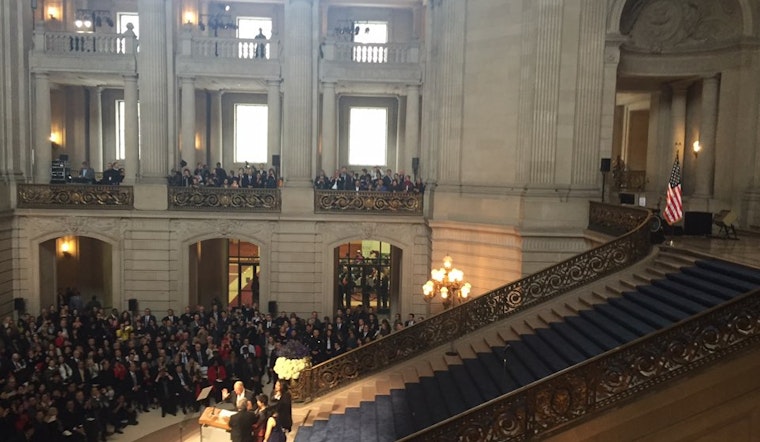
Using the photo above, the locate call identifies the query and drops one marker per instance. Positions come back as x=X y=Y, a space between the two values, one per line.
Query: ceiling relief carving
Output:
x=667 y=26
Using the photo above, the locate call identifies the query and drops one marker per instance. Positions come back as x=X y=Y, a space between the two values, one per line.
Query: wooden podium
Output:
x=216 y=417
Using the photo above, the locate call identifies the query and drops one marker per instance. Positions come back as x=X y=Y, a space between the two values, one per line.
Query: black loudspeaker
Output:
x=182 y=163
x=275 y=161
x=133 y=305
x=18 y=305
x=415 y=164
x=273 y=307
x=697 y=223
x=606 y=165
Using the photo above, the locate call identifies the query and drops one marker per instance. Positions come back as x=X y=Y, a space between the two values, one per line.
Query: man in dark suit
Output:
x=238 y=396
x=241 y=424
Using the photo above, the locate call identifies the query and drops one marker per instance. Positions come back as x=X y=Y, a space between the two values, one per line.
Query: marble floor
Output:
x=184 y=428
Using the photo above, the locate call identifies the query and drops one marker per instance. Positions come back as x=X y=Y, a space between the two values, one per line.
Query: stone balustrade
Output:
x=372 y=53
x=85 y=43
x=230 y=48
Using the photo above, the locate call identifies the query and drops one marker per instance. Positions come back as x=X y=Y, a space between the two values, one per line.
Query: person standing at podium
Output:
x=239 y=397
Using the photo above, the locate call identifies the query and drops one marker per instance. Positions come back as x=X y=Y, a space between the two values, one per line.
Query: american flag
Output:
x=674 y=207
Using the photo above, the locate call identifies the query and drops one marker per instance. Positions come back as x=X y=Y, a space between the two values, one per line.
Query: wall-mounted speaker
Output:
x=275 y=161
x=133 y=305
x=415 y=164
x=273 y=307
x=19 y=305
x=606 y=165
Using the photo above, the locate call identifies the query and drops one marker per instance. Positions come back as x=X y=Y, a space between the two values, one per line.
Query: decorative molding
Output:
x=391 y=203
x=74 y=196
x=111 y=228
x=212 y=198
x=694 y=25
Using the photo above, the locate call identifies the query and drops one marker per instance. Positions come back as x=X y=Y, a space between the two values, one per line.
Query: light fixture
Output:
x=221 y=19
x=67 y=246
x=696 y=148
x=53 y=12
x=88 y=19
x=189 y=17
x=448 y=283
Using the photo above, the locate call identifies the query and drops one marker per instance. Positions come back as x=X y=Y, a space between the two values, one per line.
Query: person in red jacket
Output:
x=217 y=376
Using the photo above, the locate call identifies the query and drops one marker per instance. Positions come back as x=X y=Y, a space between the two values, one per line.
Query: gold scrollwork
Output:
x=212 y=198
x=367 y=202
x=74 y=196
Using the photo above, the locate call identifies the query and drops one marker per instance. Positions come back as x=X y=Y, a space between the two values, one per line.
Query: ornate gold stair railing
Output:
x=604 y=382
x=488 y=308
x=74 y=196
x=219 y=198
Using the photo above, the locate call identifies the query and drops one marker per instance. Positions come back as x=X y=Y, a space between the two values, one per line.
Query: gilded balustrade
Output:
x=613 y=219
x=74 y=196
x=348 y=201
x=218 y=198
x=602 y=383
x=483 y=310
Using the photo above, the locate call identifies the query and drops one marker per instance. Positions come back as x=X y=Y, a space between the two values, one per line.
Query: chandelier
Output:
x=447 y=282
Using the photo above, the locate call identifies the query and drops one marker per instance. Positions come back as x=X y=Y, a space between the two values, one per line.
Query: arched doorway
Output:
x=76 y=271
x=224 y=271
x=368 y=273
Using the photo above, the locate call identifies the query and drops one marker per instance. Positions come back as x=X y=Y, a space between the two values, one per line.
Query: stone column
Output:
x=706 y=159
x=96 y=128
x=588 y=107
x=677 y=124
x=330 y=160
x=152 y=70
x=43 y=152
x=216 y=147
x=548 y=57
x=298 y=99
x=274 y=119
x=412 y=129
x=450 y=87
x=131 y=130
x=188 y=122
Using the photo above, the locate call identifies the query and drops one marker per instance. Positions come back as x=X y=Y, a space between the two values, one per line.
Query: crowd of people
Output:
x=82 y=373
x=375 y=180
x=203 y=176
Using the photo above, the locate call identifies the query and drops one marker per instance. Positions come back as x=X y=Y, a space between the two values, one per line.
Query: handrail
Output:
x=74 y=196
x=604 y=382
x=84 y=44
x=478 y=312
x=366 y=201
x=221 y=198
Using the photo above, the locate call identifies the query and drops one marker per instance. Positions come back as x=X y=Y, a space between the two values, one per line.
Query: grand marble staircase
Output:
x=665 y=289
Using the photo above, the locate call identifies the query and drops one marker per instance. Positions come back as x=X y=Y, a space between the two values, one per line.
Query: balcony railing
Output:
x=478 y=312
x=222 y=199
x=372 y=53
x=74 y=196
x=631 y=180
x=85 y=43
x=230 y=48
x=347 y=201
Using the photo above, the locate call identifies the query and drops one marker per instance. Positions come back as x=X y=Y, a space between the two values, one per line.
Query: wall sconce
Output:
x=53 y=12
x=55 y=137
x=189 y=17
x=67 y=246
x=87 y=19
x=696 y=148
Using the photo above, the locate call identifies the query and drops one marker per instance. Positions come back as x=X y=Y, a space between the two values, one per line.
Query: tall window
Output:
x=251 y=28
x=124 y=18
x=367 y=136
x=251 y=125
x=372 y=32
x=121 y=145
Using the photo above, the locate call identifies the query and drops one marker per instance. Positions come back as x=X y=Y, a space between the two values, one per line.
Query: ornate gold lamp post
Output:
x=447 y=282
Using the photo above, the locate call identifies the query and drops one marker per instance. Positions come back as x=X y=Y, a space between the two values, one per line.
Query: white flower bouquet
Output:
x=291 y=368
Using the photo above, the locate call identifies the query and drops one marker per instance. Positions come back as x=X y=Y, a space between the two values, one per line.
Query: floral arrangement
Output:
x=293 y=358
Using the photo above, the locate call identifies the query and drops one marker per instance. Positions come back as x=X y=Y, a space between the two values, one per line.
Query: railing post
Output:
x=39 y=39
x=328 y=50
x=412 y=54
x=130 y=40
x=274 y=49
x=186 y=43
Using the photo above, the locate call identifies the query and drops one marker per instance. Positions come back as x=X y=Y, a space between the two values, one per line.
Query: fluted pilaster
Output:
x=411 y=145
x=709 y=122
x=451 y=51
x=43 y=153
x=274 y=123
x=215 y=145
x=188 y=121
x=152 y=71
x=677 y=121
x=131 y=130
x=96 y=128
x=548 y=54
x=329 y=139
x=298 y=99
x=588 y=103
x=527 y=96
